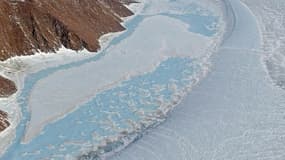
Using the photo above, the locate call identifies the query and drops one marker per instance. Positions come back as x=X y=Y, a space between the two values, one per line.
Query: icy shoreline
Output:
x=209 y=52
x=17 y=68
x=133 y=55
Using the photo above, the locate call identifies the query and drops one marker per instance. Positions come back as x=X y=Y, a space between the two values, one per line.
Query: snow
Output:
x=8 y=105
x=273 y=36
x=52 y=97
x=182 y=7
x=18 y=67
x=63 y=89
x=235 y=113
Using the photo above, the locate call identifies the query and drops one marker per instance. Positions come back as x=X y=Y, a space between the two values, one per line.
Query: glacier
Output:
x=104 y=102
x=187 y=80
x=235 y=113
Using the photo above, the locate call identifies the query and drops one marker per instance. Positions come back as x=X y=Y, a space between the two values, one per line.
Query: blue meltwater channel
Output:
x=131 y=107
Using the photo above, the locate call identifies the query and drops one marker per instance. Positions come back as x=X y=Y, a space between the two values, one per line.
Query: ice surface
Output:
x=234 y=114
x=205 y=7
x=64 y=90
x=105 y=111
x=271 y=15
x=105 y=119
x=17 y=68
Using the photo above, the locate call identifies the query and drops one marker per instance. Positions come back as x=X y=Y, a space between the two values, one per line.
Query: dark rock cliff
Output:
x=7 y=87
x=45 y=25
x=3 y=121
x=29 y=26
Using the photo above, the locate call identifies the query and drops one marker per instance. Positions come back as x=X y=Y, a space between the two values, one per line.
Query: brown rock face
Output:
x=45 y=25
x=7 y=87
x=4 y=123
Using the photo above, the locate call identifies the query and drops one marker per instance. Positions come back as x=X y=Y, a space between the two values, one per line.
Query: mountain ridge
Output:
x=30 y=26
x=44 y=26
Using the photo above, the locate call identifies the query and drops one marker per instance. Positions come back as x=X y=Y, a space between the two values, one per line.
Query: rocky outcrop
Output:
x=7 y=87
x=4 y=123
x=27 y=26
